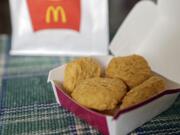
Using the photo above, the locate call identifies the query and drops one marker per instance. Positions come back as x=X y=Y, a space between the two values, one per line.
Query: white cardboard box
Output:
x=125 y=120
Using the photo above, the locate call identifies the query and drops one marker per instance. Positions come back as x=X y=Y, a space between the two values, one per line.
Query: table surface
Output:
x=28 y=106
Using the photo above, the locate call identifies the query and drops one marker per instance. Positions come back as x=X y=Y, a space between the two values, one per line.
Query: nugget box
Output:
x=123 y=121
x=157 y=47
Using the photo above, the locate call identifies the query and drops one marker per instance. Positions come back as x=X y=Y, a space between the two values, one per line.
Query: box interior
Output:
x=57 y=76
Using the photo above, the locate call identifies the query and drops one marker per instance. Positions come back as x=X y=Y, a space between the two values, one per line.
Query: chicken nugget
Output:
x=100 y=93
x=78 y=70
x=149 y=88
x=133 y=69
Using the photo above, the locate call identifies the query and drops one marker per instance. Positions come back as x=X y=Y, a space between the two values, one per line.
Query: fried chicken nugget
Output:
x=149 y=88
x=100 y=93
x=133 y=69
x=79 y=70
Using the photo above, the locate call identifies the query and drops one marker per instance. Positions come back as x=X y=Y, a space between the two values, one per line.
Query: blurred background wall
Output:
x=5 y=26
x=118 y=9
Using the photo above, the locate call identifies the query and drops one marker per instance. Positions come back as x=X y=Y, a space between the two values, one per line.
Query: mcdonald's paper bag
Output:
x=59 y=27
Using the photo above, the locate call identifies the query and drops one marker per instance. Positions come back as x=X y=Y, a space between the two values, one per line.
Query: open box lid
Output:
x=148 y=31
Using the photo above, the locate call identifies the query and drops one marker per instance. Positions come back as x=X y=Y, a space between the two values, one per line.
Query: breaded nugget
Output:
x=99 y=93
x=133 y=69
x=110 y=112
x=149 y=88
x=79 y=70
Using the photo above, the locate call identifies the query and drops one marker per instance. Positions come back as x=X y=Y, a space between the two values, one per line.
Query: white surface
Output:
x=133 y=119
x=111 y=125
x=55 y=93
x=134 y=29
x=57 y=74
x=92 y=38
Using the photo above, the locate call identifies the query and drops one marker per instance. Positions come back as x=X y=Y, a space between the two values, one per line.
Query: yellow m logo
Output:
x=55 y=13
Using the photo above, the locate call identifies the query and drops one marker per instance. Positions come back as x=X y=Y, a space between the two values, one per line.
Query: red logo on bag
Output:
x=53 y=14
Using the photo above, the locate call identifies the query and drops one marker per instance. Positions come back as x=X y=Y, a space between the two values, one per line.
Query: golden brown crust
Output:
x=78 y=70
x=99 y=93
x=149 y=88
x=133 y=69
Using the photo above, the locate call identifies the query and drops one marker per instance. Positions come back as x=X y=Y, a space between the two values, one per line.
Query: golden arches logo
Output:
x=55 y=13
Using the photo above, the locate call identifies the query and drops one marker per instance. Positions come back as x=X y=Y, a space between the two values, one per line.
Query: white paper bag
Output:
x=59 y=27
